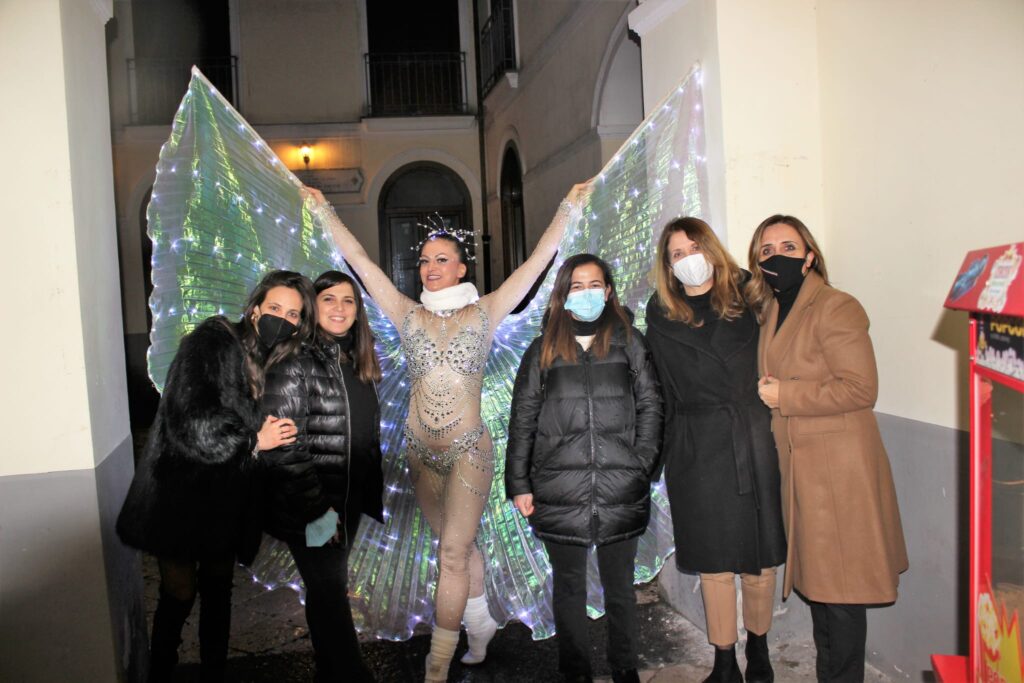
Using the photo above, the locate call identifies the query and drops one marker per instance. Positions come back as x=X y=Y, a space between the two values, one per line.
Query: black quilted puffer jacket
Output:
x=321 y=469
x=584 y=440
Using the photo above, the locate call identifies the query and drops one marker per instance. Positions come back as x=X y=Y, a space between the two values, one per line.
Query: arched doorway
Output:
x=513 y=223
x=414 y=200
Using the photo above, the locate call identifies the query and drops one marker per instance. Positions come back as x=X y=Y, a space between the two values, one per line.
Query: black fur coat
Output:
x=193 y=493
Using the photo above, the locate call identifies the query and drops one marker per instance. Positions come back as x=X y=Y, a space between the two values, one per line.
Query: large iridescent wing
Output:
x=656 y=175
x=224 y=211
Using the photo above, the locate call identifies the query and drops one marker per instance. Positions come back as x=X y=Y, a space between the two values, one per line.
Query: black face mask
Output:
x=783 y=272
x=274 y=330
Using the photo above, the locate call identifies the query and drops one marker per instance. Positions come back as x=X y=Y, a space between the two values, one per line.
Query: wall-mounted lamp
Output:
x=307 y=153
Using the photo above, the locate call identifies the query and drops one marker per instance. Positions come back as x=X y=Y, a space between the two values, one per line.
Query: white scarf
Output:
x=449 y=298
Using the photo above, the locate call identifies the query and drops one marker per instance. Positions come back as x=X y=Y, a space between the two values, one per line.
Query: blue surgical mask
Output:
x=586 y=304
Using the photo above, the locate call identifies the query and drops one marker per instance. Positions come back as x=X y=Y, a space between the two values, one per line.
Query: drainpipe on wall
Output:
x=485 y=236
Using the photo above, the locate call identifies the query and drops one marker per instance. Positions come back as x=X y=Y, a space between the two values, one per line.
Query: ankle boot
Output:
x=442 y=649
x=168 y=620
x=759 y=667
x=726 y=669
x=480 y=628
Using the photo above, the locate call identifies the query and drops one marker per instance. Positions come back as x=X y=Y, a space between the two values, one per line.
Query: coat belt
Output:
x=742 y=445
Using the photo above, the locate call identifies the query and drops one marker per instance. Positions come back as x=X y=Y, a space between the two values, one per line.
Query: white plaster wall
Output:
x=674 y=36
x=922 y=111
x=62 y=359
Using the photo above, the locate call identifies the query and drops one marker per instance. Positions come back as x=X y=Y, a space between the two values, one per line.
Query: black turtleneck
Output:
x=702 y=312
x=361 y=398
x=344 y=342
x=786 y=298
x=583 y=328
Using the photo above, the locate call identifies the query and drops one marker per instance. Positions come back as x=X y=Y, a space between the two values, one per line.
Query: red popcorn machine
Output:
x=990 y=287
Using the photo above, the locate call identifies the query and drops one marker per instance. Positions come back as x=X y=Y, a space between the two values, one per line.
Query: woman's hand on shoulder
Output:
x=276 y=432
x=524 y=503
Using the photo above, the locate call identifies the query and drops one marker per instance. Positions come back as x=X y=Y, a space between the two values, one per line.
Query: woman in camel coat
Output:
x=818 y=375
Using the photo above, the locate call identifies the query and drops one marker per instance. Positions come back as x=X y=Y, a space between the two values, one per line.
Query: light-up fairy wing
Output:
x=657 y=175
x=225 y=210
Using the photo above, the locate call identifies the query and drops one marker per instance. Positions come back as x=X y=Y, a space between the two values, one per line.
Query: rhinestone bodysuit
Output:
x=446 y=352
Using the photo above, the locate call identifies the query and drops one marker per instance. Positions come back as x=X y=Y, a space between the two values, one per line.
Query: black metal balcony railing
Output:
x=497 y=44
x=157 y=85
x=415 y=83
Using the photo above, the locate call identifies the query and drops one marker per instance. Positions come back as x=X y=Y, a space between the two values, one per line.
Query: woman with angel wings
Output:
x=446 y=339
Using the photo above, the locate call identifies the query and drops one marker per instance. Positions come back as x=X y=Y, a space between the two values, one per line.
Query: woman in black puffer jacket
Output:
x=583 y=443
x=319 y=487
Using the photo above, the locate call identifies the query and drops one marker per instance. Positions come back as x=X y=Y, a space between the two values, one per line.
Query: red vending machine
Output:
x=990 y=286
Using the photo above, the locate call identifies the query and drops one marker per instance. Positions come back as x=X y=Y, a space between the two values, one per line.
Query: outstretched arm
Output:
x=501 y=301
x=394 y=304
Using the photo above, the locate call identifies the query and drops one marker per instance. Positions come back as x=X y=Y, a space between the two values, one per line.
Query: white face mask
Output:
x=693 y=271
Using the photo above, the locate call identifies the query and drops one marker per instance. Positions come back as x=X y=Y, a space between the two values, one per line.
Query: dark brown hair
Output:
x=559 y=338
x=726 y=295
x=256 y=361
x=759 y=293
x=364 y=358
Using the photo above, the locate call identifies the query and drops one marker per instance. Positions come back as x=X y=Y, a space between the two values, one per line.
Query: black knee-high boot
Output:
x=214 y=625
x=168 y=621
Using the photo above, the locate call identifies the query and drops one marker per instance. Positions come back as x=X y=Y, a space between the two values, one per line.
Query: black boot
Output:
x=214 y=625
x=625 y=676
x=726 y=669
x=168 y=620
x=759 y=667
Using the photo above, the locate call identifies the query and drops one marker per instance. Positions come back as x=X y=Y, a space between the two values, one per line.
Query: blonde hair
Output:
x=759 y=293
x=726 y=296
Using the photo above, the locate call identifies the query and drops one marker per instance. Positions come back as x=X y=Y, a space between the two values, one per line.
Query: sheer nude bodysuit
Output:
x=450 y=454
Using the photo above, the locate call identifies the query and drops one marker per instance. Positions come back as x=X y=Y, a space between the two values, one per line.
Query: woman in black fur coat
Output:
x=190 y=502
x=319 y=487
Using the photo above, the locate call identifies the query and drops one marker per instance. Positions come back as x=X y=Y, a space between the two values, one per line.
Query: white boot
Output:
x=480 y=628
x=442 y=649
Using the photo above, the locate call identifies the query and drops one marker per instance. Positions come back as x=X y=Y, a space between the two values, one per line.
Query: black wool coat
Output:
x=584 y=439
x=320 y=470
x=192 y=496
x=721 y=467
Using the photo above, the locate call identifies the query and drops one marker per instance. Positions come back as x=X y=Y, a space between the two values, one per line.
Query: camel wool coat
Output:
x=838 y=499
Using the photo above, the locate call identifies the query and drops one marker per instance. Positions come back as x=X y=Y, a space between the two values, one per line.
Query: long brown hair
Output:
x=256 y=361
x=726 y=295
x=364 y=358
x=559 y=338
x=759 y=293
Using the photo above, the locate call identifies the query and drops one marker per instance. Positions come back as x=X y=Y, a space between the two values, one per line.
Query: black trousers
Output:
x=336 y=653
x=840 y=633
x=569 y=602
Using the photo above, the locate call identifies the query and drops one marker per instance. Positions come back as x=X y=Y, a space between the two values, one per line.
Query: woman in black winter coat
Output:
x=320 y=486
x=583 y=443
x=721 y=468
x=190 y=502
